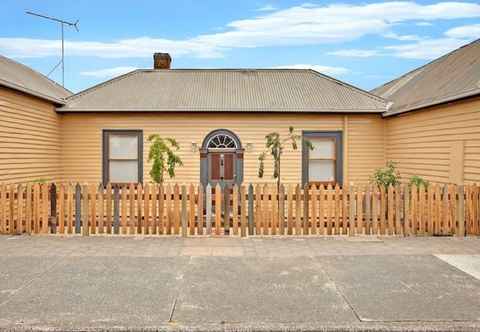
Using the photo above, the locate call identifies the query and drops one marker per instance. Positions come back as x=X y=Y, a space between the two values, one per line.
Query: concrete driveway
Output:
x=74 y=283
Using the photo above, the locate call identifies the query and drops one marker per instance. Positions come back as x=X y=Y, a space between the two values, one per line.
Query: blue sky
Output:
x=363 y=43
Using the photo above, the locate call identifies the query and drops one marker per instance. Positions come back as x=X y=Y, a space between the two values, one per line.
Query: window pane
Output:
x=321 y=170
x=123 y=171
x=323 y=148
x=123 y=146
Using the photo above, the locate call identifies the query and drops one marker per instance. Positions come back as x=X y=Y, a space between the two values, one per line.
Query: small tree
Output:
x=274 y=146
x=162 y=153
x=418 y=181
x=386 y=176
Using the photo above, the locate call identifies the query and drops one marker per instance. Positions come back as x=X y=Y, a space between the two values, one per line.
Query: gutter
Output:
x=223 y=110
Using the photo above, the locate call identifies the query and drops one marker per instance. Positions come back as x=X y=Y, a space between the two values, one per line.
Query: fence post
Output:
x=461 y=211
x=53 y=208
x=116 y=209
x=184 y=211
x=250 y=210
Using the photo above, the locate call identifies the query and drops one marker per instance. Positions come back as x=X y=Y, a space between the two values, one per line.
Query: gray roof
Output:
x=453 y=76
x=16 y=76
x=218 y=90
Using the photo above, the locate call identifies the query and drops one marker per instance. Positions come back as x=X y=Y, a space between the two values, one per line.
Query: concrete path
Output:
x=220 y=284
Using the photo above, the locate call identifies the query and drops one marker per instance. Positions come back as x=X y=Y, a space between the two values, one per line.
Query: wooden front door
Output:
x=222 y=167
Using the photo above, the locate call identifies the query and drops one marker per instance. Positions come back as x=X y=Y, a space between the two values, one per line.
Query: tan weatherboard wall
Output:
x=29 y=138
x=82 y=141
x=440 y=144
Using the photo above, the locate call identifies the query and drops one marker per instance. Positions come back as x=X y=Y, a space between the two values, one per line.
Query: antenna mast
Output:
x=62 y=25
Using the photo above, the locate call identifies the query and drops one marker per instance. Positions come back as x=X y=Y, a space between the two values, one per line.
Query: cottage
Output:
x=433 y=122
x=29 y=124
x=220 y=118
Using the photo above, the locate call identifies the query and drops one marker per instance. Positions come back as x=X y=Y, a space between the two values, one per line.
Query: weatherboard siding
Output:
x=81 y=134
x=29 y=138
x=426 y=143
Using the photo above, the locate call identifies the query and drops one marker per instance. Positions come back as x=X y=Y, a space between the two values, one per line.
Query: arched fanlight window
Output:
x=222 y=141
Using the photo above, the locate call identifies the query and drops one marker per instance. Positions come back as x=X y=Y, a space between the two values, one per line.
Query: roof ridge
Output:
x=102 y=84
x=427 y=64
x=52 y=82
x=350 y=86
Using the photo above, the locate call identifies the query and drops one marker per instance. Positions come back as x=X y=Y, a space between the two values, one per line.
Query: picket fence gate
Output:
x=247 y=210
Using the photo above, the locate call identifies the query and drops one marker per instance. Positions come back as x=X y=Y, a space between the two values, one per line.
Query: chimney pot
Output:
x=161 y=61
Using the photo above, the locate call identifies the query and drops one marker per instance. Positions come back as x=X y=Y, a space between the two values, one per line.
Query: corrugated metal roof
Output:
x=451 y=77
x=219 y=90
x=16 y=76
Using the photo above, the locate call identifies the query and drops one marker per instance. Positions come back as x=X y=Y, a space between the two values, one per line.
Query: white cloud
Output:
x=426 y=49
x=108 y=72
x=424 y=24
x=267 y=8
x=329 y=70
x=466 y=31
x=393 y=35
x=356 y=53
x=308 y=24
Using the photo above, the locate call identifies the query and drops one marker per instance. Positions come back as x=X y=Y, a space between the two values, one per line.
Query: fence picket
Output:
x=109 y=220
x=281 y=210
x=398 y=204
x=351 y=219
x=161 y=209
x=208 y=216
x=235 y=209
x=3 y=209
x=338 y=206
x=139 y=221
x=28 y=209
x=191 y=216
x=123 y=207
x=218 y=209
x=93 y=208
x=314 y=210
x=184 y=216
x=20 y=208
x=131 y=215
x=321 y=210
x=176 y=209
x=298 y=210
x=200 y=205
x=146 y=209
x=290 y=210
x=406 y=213
x=154 y=209
x=243 y=212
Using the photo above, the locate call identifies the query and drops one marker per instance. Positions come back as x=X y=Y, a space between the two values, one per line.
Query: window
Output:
x=323 y=164
x=122 y=156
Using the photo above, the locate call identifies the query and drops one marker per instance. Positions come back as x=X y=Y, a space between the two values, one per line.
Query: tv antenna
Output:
x=62 y=25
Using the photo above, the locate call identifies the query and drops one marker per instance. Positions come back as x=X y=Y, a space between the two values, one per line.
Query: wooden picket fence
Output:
x=192 y=210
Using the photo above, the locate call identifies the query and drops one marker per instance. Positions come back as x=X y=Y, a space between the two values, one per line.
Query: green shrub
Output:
x=386 y=176
x=418 y=181
x=162 y=153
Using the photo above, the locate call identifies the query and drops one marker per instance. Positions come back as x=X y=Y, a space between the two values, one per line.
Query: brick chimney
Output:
x=161 y=61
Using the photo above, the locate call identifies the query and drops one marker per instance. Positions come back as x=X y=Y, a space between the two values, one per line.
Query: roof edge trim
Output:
x=31 y=92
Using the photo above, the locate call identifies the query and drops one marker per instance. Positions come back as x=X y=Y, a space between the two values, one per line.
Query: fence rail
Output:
x=192 y=210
